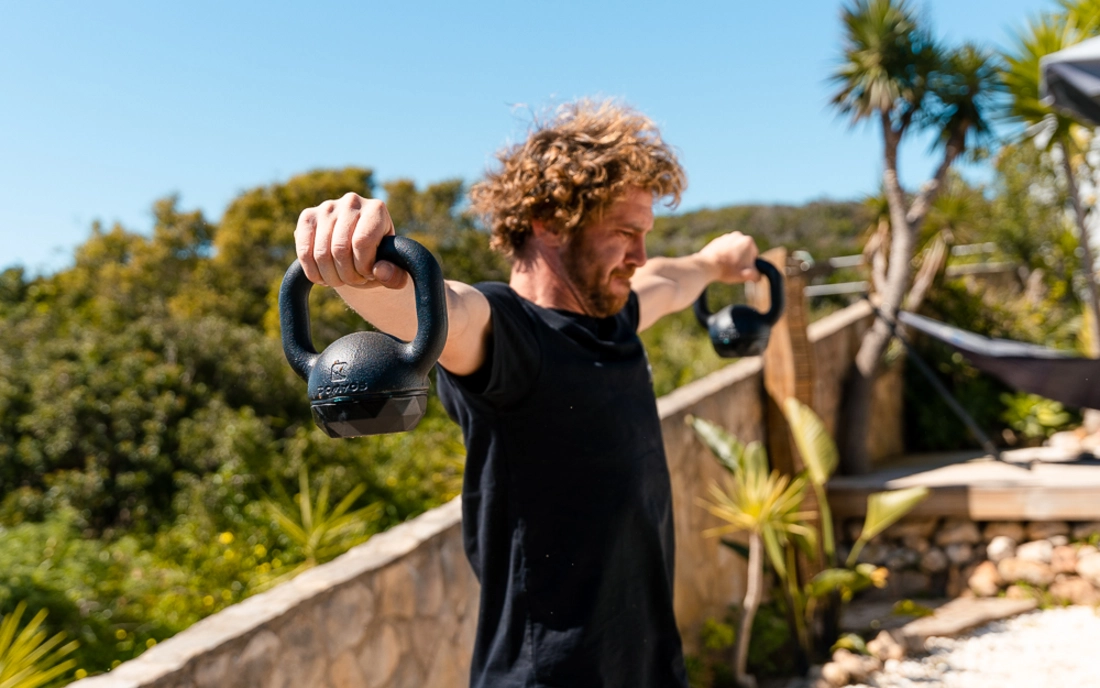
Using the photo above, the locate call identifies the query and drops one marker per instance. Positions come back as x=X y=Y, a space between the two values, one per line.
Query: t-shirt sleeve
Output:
x=512 y=356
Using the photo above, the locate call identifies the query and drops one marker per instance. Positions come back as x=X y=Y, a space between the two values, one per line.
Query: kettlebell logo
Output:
x=337 y=371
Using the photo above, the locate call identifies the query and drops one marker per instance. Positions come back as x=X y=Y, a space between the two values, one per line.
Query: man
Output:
x=566 y=502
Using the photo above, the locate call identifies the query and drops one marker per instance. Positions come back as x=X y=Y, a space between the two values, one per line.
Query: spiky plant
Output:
x=321 y=533
x=765 y=505
x=29 y=658
x=770 y=508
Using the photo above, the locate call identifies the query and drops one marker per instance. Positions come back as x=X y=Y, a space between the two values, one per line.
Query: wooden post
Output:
x=788 y=372
x=788 y=360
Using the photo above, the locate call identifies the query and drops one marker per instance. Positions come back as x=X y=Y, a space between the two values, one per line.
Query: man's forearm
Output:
x=668 y=285
x=393 y=311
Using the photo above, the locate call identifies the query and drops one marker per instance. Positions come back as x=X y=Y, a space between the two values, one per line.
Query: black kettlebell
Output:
x=368 y=383
x=737 y=330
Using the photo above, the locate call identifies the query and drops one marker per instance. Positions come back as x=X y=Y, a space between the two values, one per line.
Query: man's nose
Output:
x=637 y=255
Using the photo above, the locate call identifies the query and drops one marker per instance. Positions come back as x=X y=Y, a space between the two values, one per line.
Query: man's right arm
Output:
x=336 y=244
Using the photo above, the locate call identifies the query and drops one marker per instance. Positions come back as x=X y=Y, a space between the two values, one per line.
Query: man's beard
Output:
x=594 y=293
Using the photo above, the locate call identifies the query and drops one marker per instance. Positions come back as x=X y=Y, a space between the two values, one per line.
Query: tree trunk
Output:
x=1086 y=248
x=753 y=592
x=905 y=224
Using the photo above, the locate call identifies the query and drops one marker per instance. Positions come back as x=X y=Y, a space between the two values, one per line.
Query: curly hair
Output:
x=571 y=168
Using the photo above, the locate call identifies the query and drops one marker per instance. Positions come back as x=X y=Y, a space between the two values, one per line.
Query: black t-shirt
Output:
x=566 y=503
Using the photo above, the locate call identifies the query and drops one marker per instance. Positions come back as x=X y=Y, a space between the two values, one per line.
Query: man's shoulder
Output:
x=499 y=290
x=506 y=301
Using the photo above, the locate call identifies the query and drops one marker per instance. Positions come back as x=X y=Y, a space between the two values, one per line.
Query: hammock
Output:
x=1050 y=373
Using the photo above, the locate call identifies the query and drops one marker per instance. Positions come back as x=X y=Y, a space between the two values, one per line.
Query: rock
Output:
x=1090 y=421
x=858 y=667
x=1085 y=550
x=933 y=561
x=876 y=554
x=958 y=553
x=1074 y=590
x=835 y=675
x=1009 y=529
x=1083 y=531
x=909 y=583
x=955 y=531
x=1038 y=550
x=1063 y=559
x=1018 y=592
x=916 y=543
x=1088 y=567
x=842 y=552
x=853 y=527
x=1014 y=570
x=1067 y=440
x=957 y=580
x=902 y=558
x=815 y=679
x=1000 y=547
x=1040 y=530
x=917 y=527
x=1090 y=444
x=1058 y=540
x=885 y=648
x=957 y=617
x=986 y=581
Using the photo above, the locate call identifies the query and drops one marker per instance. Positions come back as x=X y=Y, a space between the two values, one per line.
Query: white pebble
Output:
x=1055 y=647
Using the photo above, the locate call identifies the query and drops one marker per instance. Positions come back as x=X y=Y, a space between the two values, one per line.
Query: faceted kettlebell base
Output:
x=369 y=415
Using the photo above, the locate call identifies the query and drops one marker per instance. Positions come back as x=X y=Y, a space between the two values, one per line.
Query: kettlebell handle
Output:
x=775 y=286
x=431 y=308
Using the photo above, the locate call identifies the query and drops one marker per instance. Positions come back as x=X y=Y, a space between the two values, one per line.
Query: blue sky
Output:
x=107 y=106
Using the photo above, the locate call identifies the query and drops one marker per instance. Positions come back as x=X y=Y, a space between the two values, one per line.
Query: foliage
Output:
x=321 y=534
x=28 y=658
x=1055 y=131
x=851 y=642
x=1034 y=418
x=769 y=507
x=771 y=648
x=883 y=510
x=146 y=409
x=910 y=608
x=824 y=228
x=1047 y=313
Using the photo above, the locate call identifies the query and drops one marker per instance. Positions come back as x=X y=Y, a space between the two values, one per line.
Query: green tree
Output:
x=1052 y=130
x=895 y=72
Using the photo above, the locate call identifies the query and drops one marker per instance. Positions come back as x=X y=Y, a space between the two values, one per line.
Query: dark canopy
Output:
x=1070 y=80
x=1050 y=373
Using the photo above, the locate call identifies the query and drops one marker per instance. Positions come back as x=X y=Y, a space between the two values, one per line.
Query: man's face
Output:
x=602 y=257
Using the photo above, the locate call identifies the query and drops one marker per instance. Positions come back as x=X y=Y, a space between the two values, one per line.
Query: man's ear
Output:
x=546 y=234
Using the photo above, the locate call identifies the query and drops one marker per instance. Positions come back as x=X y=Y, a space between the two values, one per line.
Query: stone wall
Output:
x=928 y=557
x=400 y=610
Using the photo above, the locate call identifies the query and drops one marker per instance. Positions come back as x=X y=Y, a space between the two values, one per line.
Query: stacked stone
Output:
x=932 y=557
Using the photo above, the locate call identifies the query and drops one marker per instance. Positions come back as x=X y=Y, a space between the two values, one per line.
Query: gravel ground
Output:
x=1055 y=648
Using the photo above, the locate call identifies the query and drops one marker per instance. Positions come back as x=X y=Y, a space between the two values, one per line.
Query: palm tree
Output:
x=765 y=505
x=895 y=72
x=1053 y=130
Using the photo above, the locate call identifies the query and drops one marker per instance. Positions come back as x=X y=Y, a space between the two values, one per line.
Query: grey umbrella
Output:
x=1069 y=80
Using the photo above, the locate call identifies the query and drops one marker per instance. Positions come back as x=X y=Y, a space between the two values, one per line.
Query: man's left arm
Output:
x=668 y=285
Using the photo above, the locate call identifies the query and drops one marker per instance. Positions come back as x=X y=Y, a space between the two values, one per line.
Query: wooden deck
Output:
x=1040 y=484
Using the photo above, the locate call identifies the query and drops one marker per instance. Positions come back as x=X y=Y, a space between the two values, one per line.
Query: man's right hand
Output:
x=336 y=243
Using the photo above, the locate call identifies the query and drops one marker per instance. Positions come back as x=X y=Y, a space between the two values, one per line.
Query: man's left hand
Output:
x=732 y=257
